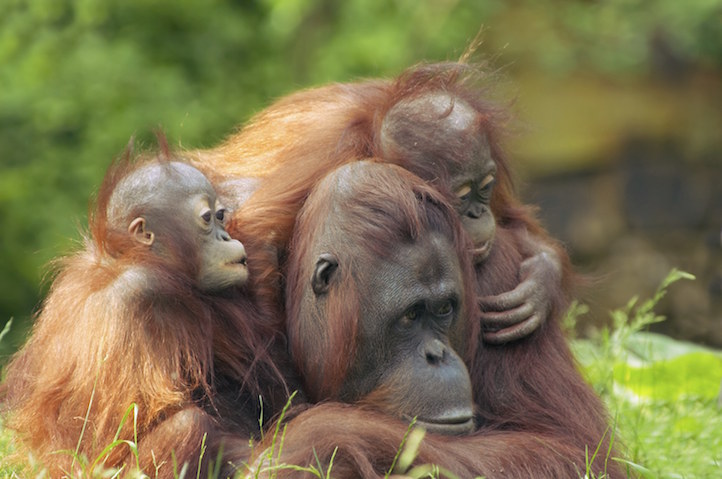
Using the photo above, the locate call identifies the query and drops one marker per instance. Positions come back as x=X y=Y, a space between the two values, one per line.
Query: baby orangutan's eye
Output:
x=487 y=182
x=463 y=192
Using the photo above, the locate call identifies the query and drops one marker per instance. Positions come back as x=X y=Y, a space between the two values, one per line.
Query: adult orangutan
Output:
x=378 y=278
x=151 y=313
x=377 y=282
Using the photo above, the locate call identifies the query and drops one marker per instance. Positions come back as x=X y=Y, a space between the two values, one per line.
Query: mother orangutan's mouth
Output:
x=452 y=425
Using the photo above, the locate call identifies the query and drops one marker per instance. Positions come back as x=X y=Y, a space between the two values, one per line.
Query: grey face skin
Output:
x=473 y=184
x=438 y=134
x=409 y=303
x=161 y=201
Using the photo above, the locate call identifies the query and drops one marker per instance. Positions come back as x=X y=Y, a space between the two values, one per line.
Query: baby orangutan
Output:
x=150 y=313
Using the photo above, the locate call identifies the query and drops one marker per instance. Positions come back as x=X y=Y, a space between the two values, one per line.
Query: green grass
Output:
x=663 y=395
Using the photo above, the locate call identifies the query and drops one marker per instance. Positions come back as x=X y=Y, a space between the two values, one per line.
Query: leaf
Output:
x=653 y=346
x=6 y=329
x=695 y=374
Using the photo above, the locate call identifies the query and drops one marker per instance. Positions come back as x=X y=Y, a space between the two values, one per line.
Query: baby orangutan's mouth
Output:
x=241 y=260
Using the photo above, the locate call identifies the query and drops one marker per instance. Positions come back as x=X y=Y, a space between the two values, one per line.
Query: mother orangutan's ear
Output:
x=326 y=267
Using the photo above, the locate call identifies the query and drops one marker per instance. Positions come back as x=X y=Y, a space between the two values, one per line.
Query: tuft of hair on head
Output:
x=164 y=153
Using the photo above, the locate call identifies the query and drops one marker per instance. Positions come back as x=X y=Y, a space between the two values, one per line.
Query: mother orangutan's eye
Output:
x=409 y=317
x=445 y=309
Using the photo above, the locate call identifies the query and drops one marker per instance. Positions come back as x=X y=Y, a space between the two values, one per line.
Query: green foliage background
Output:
x=78 y=78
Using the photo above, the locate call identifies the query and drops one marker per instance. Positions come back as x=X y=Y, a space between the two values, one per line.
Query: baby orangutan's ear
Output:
x=140 y=232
